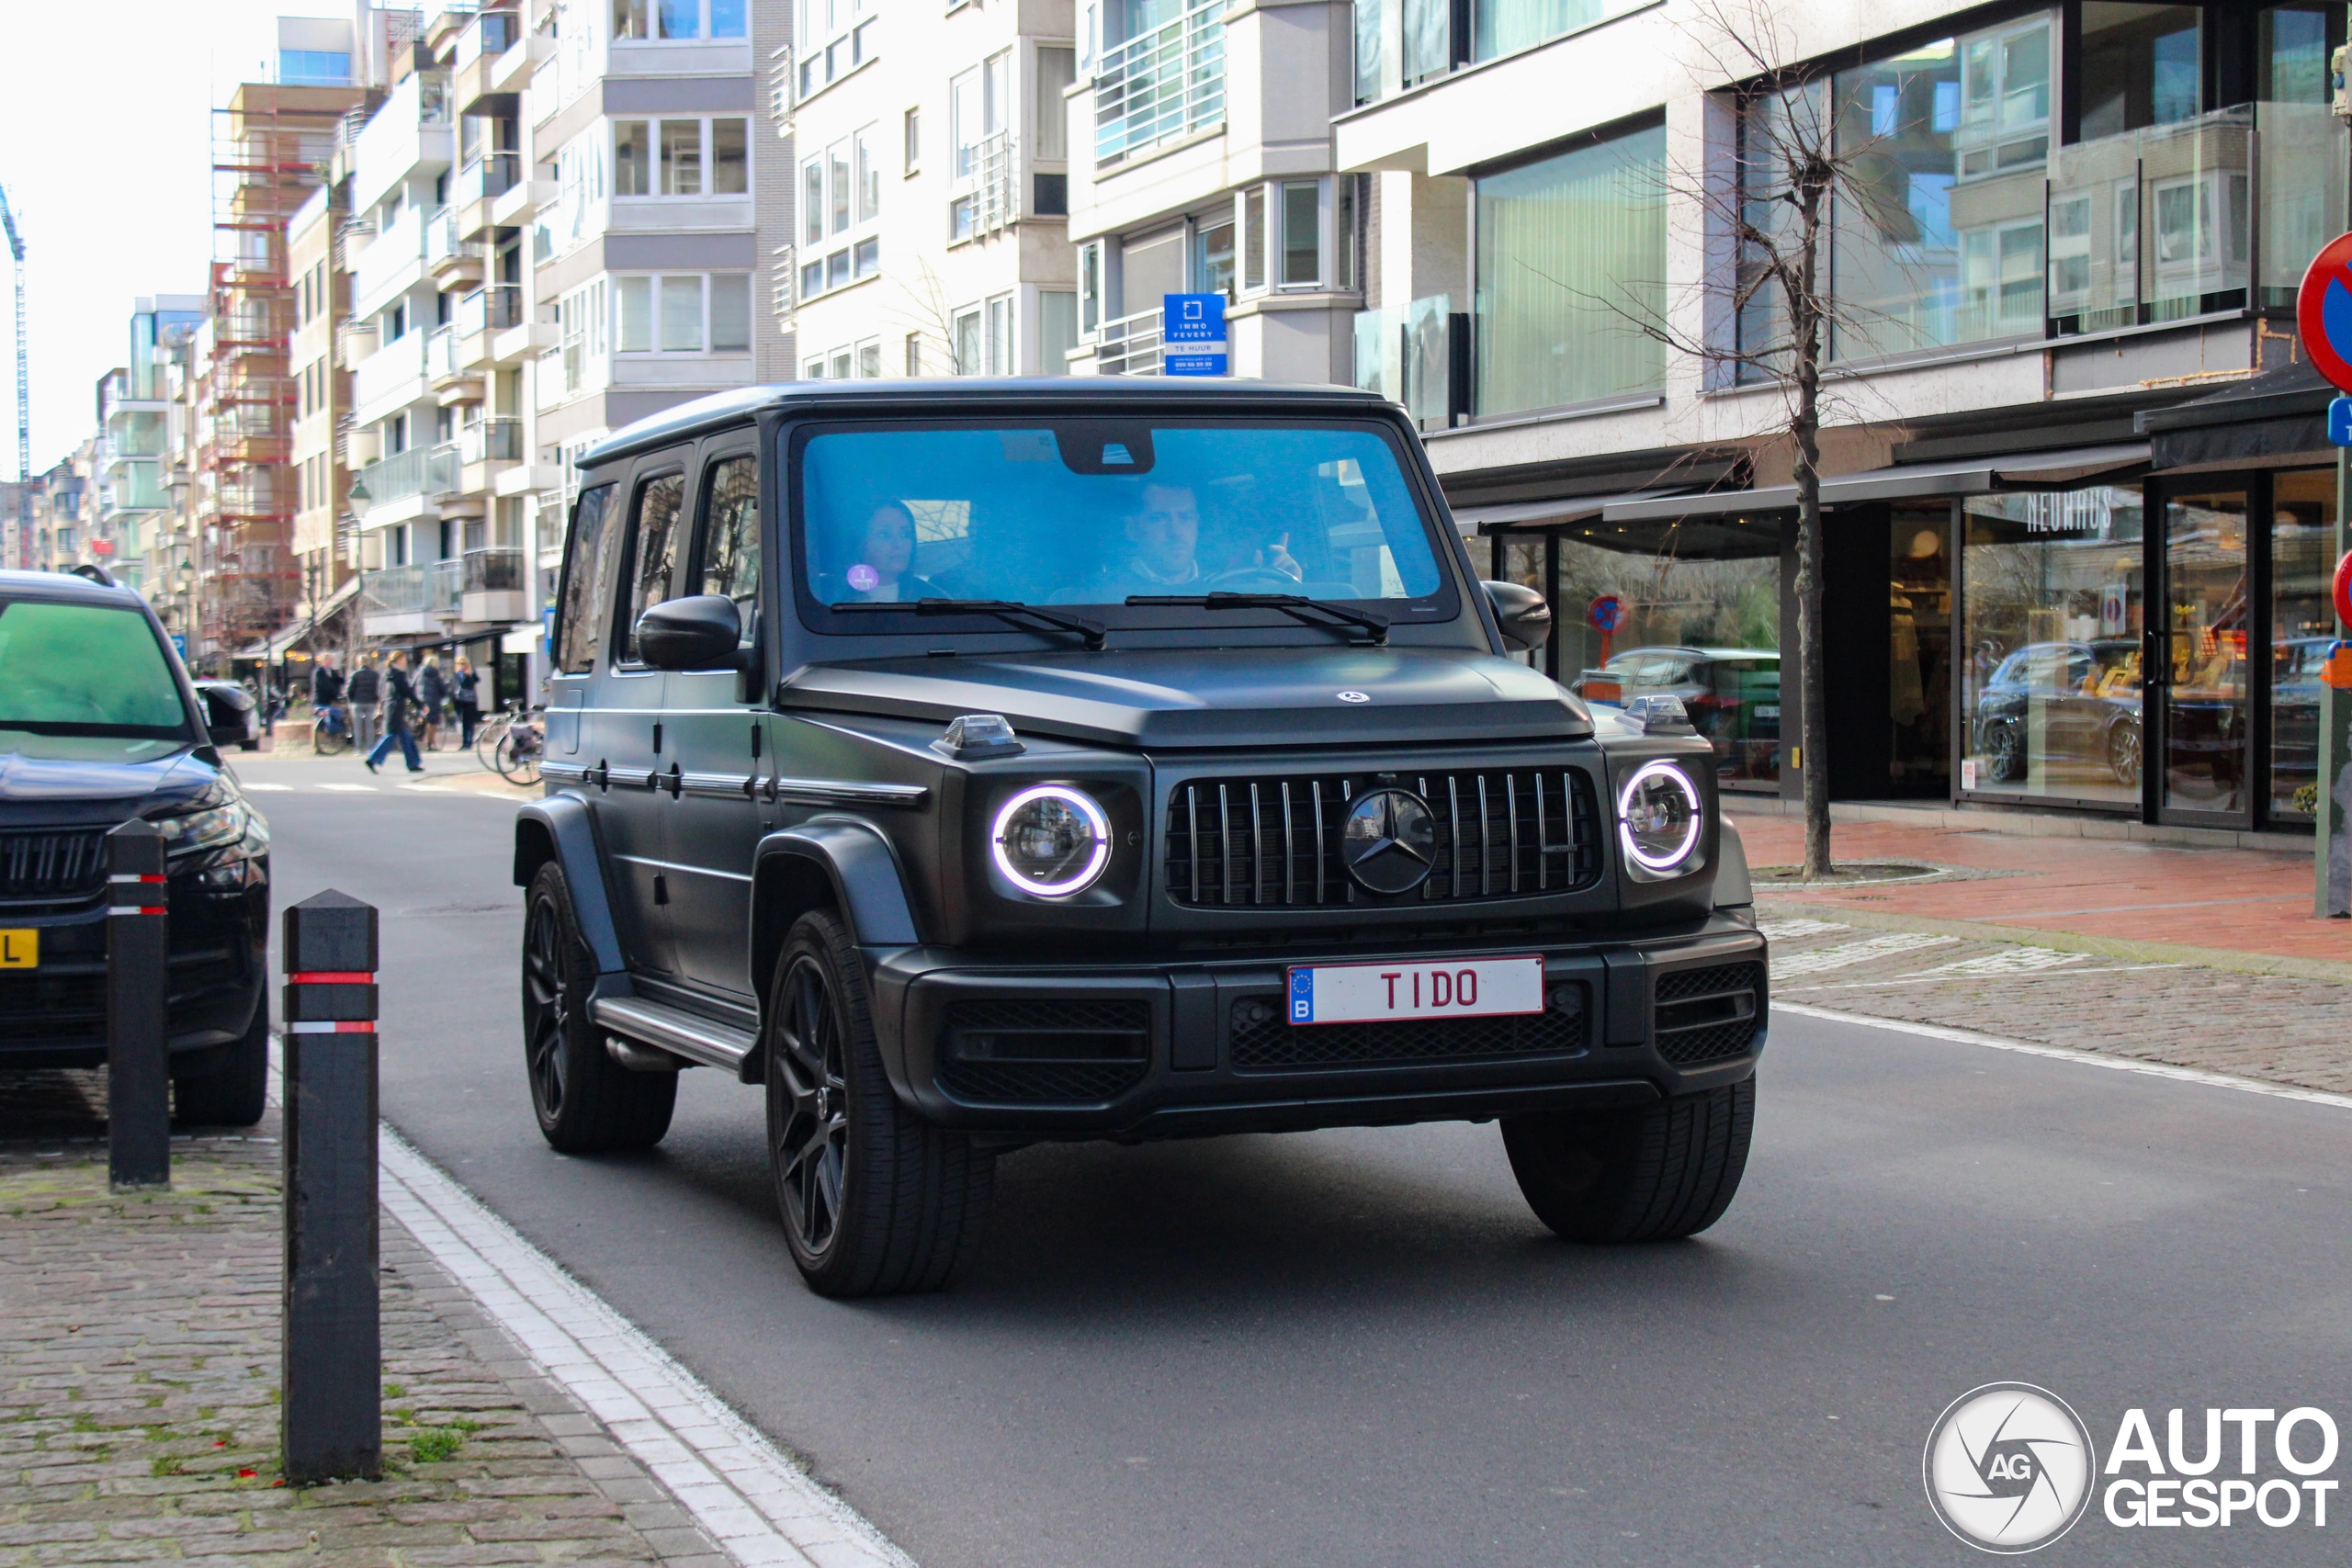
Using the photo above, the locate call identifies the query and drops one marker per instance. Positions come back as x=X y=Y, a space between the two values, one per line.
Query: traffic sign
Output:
x=2343 y=589
x=1192 y=334
x=2339 y=422
x=2324 y=312
x=1606 y=613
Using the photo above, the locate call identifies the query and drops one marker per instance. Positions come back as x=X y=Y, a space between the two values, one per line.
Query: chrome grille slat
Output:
x=1316 y=790
x=1225 y=842
x=1290 y=853
x=1193 y=841
x=1542 y=844
x=1485 y=851
x=1257 y=848
x=1453 y=817
x=1510 y=803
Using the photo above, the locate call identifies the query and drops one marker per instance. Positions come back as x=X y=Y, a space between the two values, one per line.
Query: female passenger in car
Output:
x=881 y=564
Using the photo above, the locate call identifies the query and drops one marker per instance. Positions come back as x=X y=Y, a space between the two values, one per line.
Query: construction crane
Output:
x=24 y=425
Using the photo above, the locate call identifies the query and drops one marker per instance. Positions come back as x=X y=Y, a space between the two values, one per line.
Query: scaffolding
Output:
x=270 y=149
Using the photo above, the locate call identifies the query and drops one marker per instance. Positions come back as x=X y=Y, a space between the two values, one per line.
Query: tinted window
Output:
x=730 y=551
x=654 y=553
x=87 y=673
x=587 y=581
x=1092 y=512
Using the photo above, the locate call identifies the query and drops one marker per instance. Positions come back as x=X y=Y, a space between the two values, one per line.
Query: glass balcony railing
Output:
x=443 y=241
x=421 y=470
x=486 y=177
x=431 y=588
x=441 y=353
x=495 y=571
x=1160 y=84
x=498 y=439
x=1403 y=43
x=1402 y=354
x=492 y=307
x=492 y=33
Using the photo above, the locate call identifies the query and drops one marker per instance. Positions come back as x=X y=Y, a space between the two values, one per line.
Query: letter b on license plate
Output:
x=1373 y=993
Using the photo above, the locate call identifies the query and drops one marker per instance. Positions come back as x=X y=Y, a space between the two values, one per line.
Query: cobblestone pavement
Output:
x=2281 y=1029
x=139 y=1364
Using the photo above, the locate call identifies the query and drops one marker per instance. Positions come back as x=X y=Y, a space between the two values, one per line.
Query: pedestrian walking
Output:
x=364 y=690
x=432 y=691
x=326 y=695
x=466 y=690
x=399 y=702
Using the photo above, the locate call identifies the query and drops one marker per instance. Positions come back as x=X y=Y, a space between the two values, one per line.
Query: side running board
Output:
x=695 y=1038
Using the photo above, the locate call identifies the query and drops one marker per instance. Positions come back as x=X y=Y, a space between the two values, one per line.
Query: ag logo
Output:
x=2009 y=1467
x=1388 y=841
x=1353 y=696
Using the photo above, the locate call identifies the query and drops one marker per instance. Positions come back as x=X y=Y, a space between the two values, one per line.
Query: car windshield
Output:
x=85 y=682
x=1094 y=511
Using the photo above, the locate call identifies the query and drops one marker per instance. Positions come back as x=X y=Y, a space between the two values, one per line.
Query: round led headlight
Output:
x=1051 y=840
x=1658 y=818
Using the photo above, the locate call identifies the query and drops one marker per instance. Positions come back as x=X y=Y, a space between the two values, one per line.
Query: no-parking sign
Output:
x=2324 y=312
x=1606 y=613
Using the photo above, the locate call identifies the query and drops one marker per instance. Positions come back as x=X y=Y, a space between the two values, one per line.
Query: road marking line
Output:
x=1934 y=979
x=760 y=1506
x=355 y=789
x=250 y=787
x=1795 y=928
x=1852 y=953
x=2083 y=1059
x=2013 y=960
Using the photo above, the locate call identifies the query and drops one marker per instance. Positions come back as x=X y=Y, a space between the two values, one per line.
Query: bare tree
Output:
x=1766 y=312
x=928 y=311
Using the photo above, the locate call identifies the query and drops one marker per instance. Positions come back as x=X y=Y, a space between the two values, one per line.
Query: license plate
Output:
x=1373 y=993
x=20 y=949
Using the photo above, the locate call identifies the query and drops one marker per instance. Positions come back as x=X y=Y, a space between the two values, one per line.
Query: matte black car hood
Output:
x=54 y=790
x=1213 y=697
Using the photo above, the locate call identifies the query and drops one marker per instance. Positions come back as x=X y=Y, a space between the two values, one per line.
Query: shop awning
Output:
x=1544 y=513
x=2061 y=470
x=275 y=648
x=1714 y=503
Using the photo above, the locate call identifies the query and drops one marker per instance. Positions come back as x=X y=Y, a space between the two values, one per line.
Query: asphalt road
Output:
x=1359 y=1348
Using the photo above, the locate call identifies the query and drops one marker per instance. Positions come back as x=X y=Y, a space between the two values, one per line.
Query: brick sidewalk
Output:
x=2166 y=901
x=139 y=1360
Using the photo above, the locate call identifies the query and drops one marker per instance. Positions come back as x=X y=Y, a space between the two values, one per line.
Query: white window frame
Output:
x=832 y=39
x=654 y=288
x=657 y=166
x=702 y=33
x=833 y=255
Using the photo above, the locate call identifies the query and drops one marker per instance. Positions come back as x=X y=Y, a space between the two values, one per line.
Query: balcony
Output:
x=407 y=137
x=1161 y=84
x=402 y=600
x=419 y=473
x=392 y=263
x=389 y=379
x=2217 y=213
x=1404 y=353
x=451 y=258
x=1130 y=345
x=496 y=587
x=450 y=367
x=995 y=194
x=498 y=439
x=486 y=177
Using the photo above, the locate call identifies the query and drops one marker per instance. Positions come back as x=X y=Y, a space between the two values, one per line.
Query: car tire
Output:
x=1656 y=1172
x=233 y=1088
x=586 y=1102
x=2123 y=759
x=875 y=1201
x=2005 y=754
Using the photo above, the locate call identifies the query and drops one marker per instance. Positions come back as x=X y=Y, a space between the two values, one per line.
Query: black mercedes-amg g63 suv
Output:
x=973 y=763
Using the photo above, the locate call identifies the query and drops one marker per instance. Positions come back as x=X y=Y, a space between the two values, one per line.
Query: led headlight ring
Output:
x=1097 y=825
x=1628 y=798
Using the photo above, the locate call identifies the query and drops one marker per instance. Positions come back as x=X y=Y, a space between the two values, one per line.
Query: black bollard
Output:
x=333 y=1350
x=139 y=1074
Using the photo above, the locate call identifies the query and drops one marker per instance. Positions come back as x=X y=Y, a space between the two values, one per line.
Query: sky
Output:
x=106 y=155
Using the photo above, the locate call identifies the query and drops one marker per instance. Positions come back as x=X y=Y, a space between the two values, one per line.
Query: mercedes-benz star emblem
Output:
x=1388 y=841
x=1354 y=696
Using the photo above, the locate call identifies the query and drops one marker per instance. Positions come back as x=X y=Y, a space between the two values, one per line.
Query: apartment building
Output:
x=135 y=429
x=933 y=190
x=1206 y=163
x=323 y=532
x=2080 y=502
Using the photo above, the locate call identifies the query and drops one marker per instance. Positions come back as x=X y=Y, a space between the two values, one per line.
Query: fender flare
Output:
x=855 y=860
x=1733 y=889
x=561 y=828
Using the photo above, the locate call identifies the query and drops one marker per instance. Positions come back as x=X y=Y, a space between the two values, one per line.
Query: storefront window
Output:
x=2302 y=629
x=2052 y=613
x=1918 y=651
x=2207 y=710
x=1698 y=617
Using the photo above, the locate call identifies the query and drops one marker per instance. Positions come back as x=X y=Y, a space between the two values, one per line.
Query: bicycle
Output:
x=331 y=732
x=520 y=744
x=490 y=732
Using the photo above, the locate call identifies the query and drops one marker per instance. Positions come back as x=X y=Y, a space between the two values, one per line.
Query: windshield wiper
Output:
x=1298 y=607
x=1010 y=611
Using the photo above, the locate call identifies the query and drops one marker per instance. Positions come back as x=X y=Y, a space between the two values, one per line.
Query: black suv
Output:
x=99 y=723
x=974 y=763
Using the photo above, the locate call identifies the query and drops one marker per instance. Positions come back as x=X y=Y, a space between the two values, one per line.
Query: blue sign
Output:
x=2339 y=422
x=179 y=640
x=1192 y=334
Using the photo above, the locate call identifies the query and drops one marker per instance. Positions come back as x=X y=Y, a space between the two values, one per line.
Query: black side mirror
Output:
x=1522 y=613
x=230 y=719
x=702 y=631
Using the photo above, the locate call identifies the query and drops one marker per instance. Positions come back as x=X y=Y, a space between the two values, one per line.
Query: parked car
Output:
x=1732 y=695
x=2076 y=702
x=99 y=723
x=238 y=710
x=980 y=763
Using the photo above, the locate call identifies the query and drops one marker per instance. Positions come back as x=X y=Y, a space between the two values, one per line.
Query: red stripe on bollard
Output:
x=332 y=978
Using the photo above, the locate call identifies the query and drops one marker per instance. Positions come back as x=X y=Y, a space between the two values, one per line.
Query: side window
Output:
x=653 y=571
x=730 y=551
x=588 y=581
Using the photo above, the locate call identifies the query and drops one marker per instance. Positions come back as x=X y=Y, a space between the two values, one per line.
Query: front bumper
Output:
x=1172 y=1050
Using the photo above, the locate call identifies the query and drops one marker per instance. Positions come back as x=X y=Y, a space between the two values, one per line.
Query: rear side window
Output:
x=654 y=553
x=587 y=582
x=85 y=670
x=730 y=551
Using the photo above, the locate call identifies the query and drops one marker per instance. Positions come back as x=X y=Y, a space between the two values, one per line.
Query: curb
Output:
x=2336 y=971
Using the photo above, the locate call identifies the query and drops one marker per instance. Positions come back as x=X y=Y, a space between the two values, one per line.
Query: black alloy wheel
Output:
x=876 y=1202
x=586 y=1102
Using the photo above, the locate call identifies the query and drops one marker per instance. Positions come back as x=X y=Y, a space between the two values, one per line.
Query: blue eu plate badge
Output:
x=1302 y=996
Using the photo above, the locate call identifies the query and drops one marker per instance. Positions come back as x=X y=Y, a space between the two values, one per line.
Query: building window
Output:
x=1090 y=287
x=965 y=343
x=869 y=359
x=1057 y=330
x=682 y=313
x=999 y=336
x=1302 y=249
x=841 y=192
x=910 y=142
x=835 y=38
x=313 y=68
x=914 y=353
x=677 y=168
x=1567 y=248
x=641 y=20
x=1254 y=238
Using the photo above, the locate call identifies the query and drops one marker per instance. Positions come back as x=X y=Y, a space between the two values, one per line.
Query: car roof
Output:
x=1699 y=652
x=64 y=586
x=958 y=394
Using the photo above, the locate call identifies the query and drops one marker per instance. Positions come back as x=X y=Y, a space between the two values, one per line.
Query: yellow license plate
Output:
x=20 y=949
